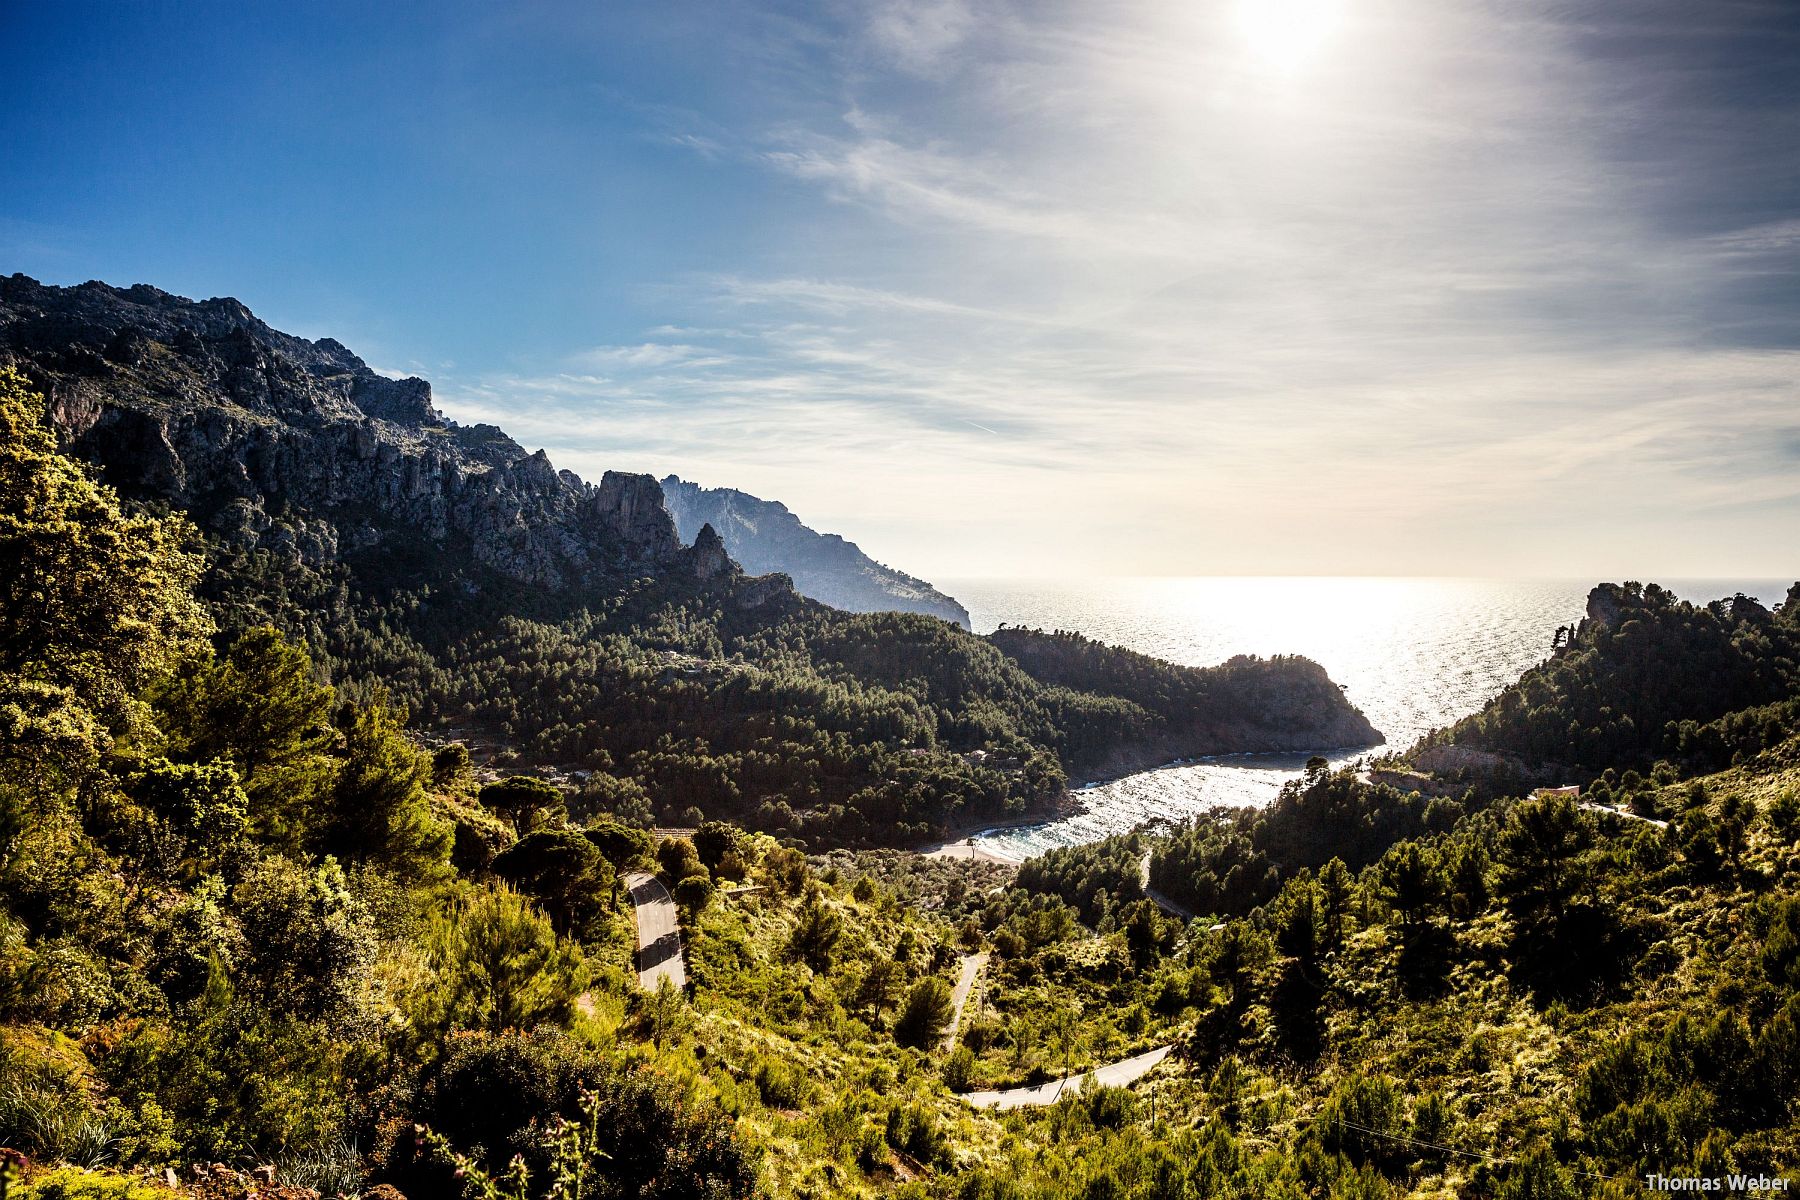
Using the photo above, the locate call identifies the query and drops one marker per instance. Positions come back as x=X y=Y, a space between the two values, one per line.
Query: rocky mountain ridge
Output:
x=275 y=442
x=765 y=536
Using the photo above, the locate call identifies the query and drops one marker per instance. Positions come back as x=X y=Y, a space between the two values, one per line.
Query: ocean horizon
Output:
x=1413 y=653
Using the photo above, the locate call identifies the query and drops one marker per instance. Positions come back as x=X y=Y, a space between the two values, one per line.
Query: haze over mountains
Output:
x=312 y=424
x=211 y=853
x=569 y=625
x=764 y=536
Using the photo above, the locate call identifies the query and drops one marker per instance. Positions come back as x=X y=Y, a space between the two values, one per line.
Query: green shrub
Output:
x=45 y=1105
x=477 y=836
x=694 y=893
x=652 y=1140
x=925 y=1015
x=496 y=964
x=913 y=1131
x=79 y=1183
x=959 y=1069
x=782 y=1085
x=622 y=846
x=520 y=798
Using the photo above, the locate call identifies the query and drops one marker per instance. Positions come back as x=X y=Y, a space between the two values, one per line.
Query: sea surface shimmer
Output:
x=1413 y=654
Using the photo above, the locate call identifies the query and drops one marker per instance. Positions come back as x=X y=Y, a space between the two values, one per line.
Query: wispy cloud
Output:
x=1092 y=281
x=645 y=354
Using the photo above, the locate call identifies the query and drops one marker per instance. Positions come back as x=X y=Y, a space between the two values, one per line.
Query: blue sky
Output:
x=1128 y=286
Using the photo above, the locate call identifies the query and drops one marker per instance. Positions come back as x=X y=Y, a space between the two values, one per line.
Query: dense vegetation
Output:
x=246 y=919
x=234 y=928
x=1233 y=861
x=555 y=624
x=1650 y=677
x=796 y=719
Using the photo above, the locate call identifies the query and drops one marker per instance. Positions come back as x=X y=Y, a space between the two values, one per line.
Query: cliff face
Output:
x=764 y=536
x=276 y=442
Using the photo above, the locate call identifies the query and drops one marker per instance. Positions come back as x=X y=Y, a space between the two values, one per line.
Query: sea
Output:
x=1414 y=654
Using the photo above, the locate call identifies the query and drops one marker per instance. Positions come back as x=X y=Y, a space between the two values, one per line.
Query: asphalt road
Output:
x=659 y=933
x=1157 y=898
x=1112 y=1075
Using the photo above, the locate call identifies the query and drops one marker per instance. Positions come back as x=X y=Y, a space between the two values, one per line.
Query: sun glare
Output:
x=1285 y=34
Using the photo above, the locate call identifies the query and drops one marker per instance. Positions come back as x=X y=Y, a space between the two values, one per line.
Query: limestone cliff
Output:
x=764 y=536
x=275 y=442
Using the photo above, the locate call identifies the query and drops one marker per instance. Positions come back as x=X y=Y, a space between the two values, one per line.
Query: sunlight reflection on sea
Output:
x=1413 y=654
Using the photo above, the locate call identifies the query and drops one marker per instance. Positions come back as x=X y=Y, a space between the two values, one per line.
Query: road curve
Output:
x=1157 y=898
x=1117 y=1074
x=1608 y=810
x=971 y=969
x=659 y=933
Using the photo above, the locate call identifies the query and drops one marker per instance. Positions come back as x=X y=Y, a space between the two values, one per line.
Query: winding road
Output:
x=1610 y=811
x=1117 y=1074
x=659 y=954
x=1157 y=898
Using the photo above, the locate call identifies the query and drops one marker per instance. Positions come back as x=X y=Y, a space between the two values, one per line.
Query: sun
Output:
x=1285 y=34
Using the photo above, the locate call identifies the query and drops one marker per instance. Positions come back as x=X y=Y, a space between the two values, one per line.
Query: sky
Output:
x=1045 y=288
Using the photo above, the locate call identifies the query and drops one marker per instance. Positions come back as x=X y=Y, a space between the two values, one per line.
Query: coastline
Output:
x=1115 y=774
x=973 y=841
x=958 y=842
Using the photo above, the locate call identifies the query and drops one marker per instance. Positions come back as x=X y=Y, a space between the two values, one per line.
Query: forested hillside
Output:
x=554 y=623
x=254 y=941
x=1645 y=677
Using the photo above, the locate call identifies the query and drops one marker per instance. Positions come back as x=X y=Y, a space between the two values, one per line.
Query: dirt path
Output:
x=965 y=983
x=1117 y=1074
x=659 y=933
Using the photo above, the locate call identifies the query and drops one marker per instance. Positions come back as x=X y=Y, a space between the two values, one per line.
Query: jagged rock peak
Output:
x=96 y=320
x=298 y=447
x=709 y=557
x=765 y=536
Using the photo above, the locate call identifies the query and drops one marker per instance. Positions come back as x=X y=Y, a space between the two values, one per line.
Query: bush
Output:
x=79 y=1183
x=45 y=1109
x=959 y=1069
x=311 y=941
x=621 y=845
x=925 y=1015
x=477 y=837
x=520 y=798
x=197 y=816
x=781 y=1085
x=1364 y=1119
x=378 y=809
x=912 y=1130
x=713 y=841
x=652 y=1141
x=676 y=859
x=562 y=870
x=450 y=765
x=694 y=893
x=496 y=964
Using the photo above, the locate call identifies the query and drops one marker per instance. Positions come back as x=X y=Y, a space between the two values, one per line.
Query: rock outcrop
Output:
x=280 y=443
x=764 y=536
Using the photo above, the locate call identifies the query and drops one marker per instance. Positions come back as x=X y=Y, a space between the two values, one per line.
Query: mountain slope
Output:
x=270 y=441
x=764 y=536
x=1643 y=677
x=553 y=623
